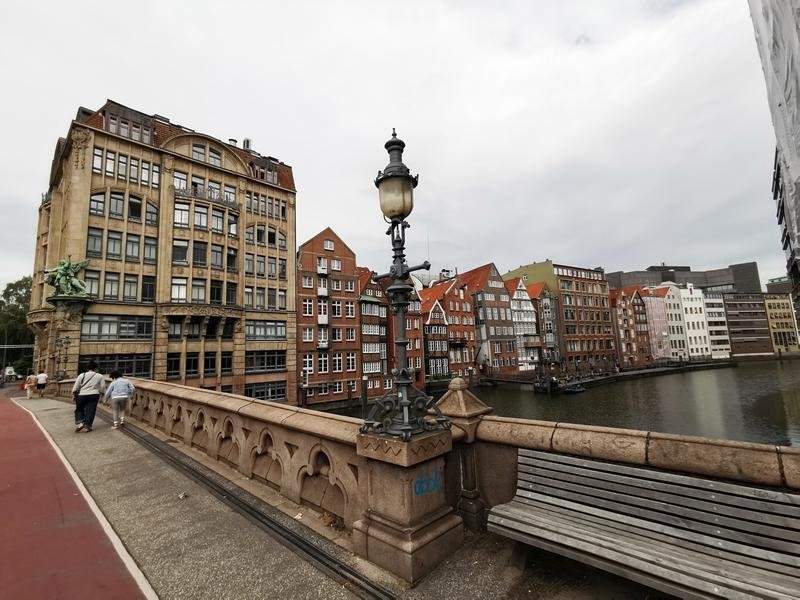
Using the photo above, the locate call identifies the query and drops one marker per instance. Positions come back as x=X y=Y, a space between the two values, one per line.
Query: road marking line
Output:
x=123 y=553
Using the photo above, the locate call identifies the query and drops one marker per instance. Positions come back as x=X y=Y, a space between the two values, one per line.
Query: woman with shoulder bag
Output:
x=86 y=392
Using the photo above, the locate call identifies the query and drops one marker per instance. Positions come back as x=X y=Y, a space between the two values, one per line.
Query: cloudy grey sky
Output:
x=616 y=134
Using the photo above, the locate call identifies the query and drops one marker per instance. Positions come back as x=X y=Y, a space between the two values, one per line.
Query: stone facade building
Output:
x=190 y=242
x=587 y=336
x=328 y=321
x=748 y=326
x=782 y=322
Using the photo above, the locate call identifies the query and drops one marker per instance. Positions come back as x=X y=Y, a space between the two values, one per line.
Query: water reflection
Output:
x=755 y=402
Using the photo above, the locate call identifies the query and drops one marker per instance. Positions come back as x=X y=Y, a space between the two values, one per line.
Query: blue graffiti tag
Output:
x=428 y=484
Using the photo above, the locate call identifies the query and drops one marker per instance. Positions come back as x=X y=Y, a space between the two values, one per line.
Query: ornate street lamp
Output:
x=401 y=412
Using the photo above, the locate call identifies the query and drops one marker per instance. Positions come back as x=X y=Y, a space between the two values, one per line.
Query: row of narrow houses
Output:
x=193 y=275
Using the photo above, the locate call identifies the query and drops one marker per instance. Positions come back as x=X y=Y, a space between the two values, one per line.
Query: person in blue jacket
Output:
x=119 y=392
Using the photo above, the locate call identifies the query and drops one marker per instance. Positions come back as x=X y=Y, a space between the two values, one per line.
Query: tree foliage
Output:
x=14 y=304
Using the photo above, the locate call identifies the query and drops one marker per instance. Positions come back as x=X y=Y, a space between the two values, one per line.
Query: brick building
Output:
x=782 y=322
x=191 y=249
x=624 y=328
x=415 y=352
x=456 y=303
x=545 y=303
x=587 y=336
x=328 y=320
x=496 y=345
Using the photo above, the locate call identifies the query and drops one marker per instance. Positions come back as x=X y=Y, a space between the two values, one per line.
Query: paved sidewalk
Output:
x=52 y=544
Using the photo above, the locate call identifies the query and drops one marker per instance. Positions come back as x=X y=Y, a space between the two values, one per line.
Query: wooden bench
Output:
x=689 y=536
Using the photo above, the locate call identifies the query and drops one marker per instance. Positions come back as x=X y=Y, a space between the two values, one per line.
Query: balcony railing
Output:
x=322 y=319
x=323 y=344
x=203 y=193
x=322 y=269
x=322 y=291
x=457 y=340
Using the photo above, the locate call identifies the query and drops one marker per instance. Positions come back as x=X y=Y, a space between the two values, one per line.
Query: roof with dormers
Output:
x=163 y=130
x=477 y=278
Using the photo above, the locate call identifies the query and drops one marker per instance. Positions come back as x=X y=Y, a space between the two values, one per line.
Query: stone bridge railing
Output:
x=405 y=501
x=308 y=456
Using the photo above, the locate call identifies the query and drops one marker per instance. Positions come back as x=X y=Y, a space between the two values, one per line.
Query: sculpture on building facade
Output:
x=64 y=278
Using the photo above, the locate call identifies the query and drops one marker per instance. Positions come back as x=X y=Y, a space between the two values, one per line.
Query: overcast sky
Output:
x=616 y=134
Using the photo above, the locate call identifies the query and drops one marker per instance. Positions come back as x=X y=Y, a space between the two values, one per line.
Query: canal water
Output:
x=754 y=402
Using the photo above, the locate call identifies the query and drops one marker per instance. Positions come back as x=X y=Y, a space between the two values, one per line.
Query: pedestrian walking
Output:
x=30 y=384
x=119 y=392
x=86 y=392
x=41 y=383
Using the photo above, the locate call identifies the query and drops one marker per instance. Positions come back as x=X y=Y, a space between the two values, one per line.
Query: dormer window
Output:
x=112 y=124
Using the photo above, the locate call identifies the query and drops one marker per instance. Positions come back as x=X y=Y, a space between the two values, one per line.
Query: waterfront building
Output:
x=456 y=302
x=695 y=324
x=191 y=249
x=679 y=349
x=545 y=303
x=328 y=322
x=776 y=25
x=373 y=311
x=655 y=304
x=437 y=341
x=747 y=324
x=718 y=337
x=526 y=331
x=624 y=328
x=782 y=322
x=741 y=277
x=587 y=335
x=496 y=346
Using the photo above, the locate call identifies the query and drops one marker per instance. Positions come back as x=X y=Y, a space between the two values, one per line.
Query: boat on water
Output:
x=573 y=389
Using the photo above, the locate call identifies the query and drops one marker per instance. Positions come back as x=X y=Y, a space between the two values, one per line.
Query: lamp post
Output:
x=401 y=412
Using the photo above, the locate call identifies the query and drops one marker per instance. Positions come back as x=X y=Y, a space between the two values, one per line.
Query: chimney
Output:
x=232 y=141
x=246 y=142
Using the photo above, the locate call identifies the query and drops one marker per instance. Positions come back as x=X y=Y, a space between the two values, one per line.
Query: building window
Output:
x=216 y=256
x=199 y=251
x=214 y=157
x=178 y=289
x=94 y=242
x=268 y=391
x=350 y=309
x=116 y=205
x=134 y=208
x=198 y=152
x=111 y=291
x=135 y=365
x=230 y=293
x=180 y=252
x=173 y=365
x=230 y=193
x=114 y=245
x=260 y=298
x=226 y=366
x=248 y=297
x=130 y=288
x=179 y=180
x=192 y=364
x=132 y=243
x=97 y=204
x=151 y=214
x=150 y=250
x=145 y=173
x=265 y=330
x=249 y=264
x=111 y=158
x=92 y=281
x=181 y=215
x=217 y=221
x=148 y=288
x=156 y=176
x=122 y=166
x=201 y=217
x=328 y=244
x=97 y=160
x=308 y=363
x=198 y=290
x=336 y=264
x=232 y=263
x=351 y=361
x=264 y=361
x=232 y=225
x=215 y=296
x=337 y=362
x=210 y=364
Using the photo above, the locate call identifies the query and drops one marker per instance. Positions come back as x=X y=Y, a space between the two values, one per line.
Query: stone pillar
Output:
x=465 y=411
x=66 y=321
x=408 y=527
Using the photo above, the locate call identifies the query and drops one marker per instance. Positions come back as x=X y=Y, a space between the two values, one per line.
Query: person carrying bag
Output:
x=86 y=392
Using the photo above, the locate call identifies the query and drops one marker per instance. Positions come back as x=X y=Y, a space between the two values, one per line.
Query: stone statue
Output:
x=64 y=278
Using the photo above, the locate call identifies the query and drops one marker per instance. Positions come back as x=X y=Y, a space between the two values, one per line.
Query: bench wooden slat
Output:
x=769 y=509
x=651 y=564
x=764 y=569
x=782 y=526
x=791 y=501
x=718 y=573
x=677 y=532
x=654 y=512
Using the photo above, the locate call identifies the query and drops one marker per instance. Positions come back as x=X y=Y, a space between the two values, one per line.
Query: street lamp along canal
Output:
x=401 y=412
